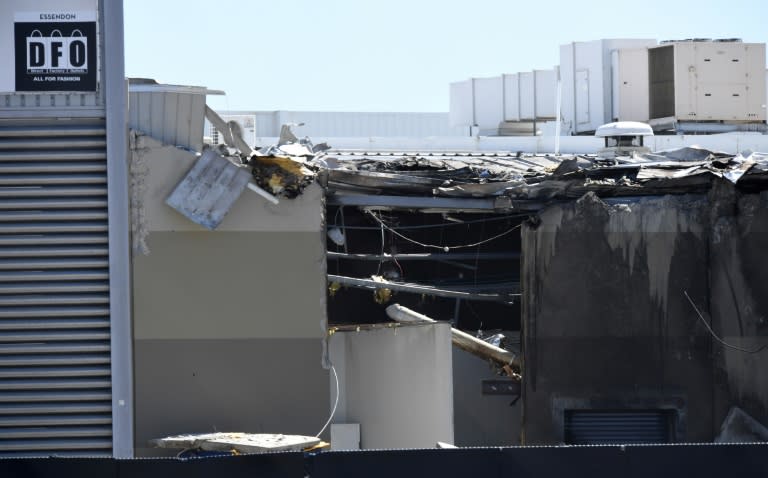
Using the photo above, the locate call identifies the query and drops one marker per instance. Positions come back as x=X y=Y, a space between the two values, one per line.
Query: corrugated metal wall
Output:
x=175 y=118
x=55 y=380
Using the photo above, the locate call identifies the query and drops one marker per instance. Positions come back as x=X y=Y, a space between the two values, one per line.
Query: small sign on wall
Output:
x=55 y=51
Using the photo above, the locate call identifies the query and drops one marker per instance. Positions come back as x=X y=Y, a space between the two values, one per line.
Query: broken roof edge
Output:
x=149 y=85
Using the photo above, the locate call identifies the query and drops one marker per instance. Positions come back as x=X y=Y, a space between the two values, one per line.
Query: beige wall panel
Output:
x=163 y=167
x=223 y=285
x=256 y=386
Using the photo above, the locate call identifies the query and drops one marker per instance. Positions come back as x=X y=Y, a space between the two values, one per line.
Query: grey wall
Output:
x=228 y=324
x=481 y=420
x=607 y=325
x=397 y=384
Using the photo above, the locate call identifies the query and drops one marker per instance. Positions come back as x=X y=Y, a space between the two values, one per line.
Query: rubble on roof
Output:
x=740 y=427
x=221 y=174
x=287 y=168
x=547 y=177
x=281 y=175
x=516 y=179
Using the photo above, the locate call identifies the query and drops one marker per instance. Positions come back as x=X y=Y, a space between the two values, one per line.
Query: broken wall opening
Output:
x=475 y=288
x=488 y=274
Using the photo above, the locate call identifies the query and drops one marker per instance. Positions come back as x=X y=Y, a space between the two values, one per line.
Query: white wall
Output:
x=396 y=383
x=630 y=84
x=461 y=112
x=487 y=102
x=586 y=74
x=350 y=124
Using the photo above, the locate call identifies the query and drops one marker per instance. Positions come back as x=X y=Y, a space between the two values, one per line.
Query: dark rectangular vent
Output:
x=661 y=81
x=592 y=427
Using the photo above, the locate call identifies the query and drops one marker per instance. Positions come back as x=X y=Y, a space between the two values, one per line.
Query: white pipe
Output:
x=399 y=313
x=263 y=193
x=459 y=338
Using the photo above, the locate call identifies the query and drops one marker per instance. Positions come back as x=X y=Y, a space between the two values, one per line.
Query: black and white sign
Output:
x=55 y=51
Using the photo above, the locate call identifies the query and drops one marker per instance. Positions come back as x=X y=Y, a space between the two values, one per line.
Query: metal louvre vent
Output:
x=55 y=385
x=592 y=427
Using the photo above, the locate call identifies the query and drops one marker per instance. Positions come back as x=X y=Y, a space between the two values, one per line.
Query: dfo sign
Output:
x=55 y=51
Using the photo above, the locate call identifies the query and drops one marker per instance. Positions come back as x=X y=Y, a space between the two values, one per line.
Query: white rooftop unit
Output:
x=587 y=96
x=247 y=125
x=629 y=76
x=258 y=125
x=707 y=81
x=490 y=103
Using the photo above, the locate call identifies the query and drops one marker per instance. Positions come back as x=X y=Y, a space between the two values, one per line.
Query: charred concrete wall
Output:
x=738 y=279
x=228 y=324
x=607 y=324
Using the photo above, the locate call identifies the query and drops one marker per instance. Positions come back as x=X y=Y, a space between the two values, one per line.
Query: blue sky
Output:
x=393 y=55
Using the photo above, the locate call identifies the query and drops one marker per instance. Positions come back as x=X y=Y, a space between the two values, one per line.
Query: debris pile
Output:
x=218 y=178
x=286 y=168
x=542 y=177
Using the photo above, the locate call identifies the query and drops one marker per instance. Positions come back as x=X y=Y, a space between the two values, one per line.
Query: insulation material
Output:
x=281 y=175
x=139 y=169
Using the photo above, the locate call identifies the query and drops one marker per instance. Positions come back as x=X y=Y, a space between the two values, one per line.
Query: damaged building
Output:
x=153 y=286
x=618 y=289
x=639 y=279
x=601 y=297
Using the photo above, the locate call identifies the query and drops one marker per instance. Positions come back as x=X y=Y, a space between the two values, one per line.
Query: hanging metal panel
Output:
x=55 y=380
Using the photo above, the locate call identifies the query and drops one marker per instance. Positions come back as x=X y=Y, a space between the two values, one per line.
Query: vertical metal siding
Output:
x=591 y=427
x=175 y=118
x=661 y=79
x=55 y=381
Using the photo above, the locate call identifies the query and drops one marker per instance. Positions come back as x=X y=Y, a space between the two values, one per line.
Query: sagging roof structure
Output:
x=499 y=181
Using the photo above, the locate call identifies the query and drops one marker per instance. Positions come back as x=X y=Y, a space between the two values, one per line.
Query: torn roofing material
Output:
x=539 y=177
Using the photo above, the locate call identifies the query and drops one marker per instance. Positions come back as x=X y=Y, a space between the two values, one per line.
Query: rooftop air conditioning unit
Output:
x=703 y=81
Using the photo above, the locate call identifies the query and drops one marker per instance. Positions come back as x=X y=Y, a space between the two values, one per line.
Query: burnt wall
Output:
x=739 y=301
x=607 y=323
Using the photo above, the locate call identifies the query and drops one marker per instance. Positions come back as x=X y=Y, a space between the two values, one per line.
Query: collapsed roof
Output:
x=521 y=178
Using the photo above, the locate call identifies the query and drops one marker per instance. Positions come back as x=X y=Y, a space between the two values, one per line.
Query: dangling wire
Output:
x=433 y=246
x=381 y=260
x=335 y=404
x=714 y=335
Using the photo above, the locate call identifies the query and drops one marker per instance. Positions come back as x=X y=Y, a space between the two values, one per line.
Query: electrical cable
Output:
x=378 y=269
x=335 y=404
x=443 y=248
x=430 y=226
x=734 y=347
